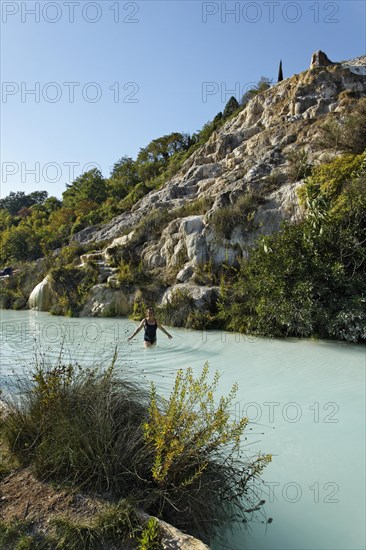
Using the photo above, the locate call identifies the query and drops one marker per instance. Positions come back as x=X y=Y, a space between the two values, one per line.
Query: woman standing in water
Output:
x=150 y=324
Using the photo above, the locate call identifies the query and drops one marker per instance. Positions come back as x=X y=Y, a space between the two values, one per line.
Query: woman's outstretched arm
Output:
x=137 y=330
x=165 y=331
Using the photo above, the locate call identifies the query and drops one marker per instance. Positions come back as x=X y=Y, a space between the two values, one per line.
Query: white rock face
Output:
x=40 y=298
x=250 y=146
x=104 y=302
x=202 y=295
x=181 y=241
x=356 y=66
x=117 y=243
x=251 y=153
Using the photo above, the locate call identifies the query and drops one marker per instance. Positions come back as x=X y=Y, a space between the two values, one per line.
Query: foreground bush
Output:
x=177 y=458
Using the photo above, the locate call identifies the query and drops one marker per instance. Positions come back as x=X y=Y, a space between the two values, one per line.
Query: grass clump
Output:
x=348 y=133
x=176 y=458
x=18 y=535
x=241 y=214
x=119 y=522
x=78 y=426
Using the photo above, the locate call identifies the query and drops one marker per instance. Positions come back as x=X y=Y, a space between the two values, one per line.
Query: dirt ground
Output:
x=23 y=497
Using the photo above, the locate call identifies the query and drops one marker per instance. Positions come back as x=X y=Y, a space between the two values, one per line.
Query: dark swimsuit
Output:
x=150 y=332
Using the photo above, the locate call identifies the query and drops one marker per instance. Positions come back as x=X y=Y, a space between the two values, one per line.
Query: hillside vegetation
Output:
x=255 y=223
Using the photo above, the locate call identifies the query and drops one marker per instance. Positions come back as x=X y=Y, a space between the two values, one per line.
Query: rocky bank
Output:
x=256 y=161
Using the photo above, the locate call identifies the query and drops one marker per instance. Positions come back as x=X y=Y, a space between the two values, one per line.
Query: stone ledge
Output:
x=174 y=539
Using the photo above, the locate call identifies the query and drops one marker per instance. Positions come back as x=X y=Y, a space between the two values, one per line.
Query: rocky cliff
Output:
x=242 y=183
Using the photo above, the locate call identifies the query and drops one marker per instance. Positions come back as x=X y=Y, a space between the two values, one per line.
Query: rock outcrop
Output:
x=40 y=298
x=107 y=302
x=264 y=152
x=320 y=59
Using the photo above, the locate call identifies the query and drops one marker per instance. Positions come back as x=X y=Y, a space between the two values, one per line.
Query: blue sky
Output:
x=139 y=70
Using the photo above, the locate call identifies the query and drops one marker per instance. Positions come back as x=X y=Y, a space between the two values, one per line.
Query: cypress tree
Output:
x=280 y=73
x=231 y=106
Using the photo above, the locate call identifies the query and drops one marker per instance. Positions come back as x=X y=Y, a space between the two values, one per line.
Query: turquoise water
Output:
x=305 y=399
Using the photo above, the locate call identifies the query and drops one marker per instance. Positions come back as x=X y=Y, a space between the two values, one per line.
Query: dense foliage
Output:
x=33 y=225
x=306 y=280
x=310 y=277
x=176 y=458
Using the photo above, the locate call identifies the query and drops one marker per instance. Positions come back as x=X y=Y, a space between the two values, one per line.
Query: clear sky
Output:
x=109 y=76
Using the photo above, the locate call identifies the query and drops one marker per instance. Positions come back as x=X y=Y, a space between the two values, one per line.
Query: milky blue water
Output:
x=305 y=400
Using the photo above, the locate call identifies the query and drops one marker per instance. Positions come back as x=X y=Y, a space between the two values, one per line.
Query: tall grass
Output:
x=176 y=458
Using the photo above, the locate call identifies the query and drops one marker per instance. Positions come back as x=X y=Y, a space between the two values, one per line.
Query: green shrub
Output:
x=329 y=178
x=308 y=279
x=71 y=285
x=126 y=274
x=299 y=167
x=210 y=274
x=176 y=310
x=347 y=134
x=175 y=458
x=150 y=538
x=194 y=442
x=240 y=214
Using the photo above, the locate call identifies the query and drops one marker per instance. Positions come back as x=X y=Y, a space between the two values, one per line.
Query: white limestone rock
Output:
x=202 y=295
x=104 y=302
x=40 y=298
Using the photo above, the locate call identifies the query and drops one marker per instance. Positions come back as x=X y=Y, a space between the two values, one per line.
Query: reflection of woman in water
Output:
x=150 y=324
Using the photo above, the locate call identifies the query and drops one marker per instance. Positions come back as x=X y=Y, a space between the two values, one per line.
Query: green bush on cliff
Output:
x=70 y=287
x=310 y=277
x=240 y=214
x=348 y=133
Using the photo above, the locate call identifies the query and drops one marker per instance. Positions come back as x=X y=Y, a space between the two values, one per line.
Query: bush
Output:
x=150 y=538
x=176 y=310
x=177 y=458
x=308 y=279
x=348 y=134
x=240 y=214
x=195 y=444
x=299 y=167
x=126 y=274
x=70 y=286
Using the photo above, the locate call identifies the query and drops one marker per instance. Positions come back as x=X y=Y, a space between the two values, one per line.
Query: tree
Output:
x=280 y=73
x=153 y=159
x=17 y=200
x=89 y=186
x=262 y=85
x=20 y=243
x=231 y=106
x=124 y=177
